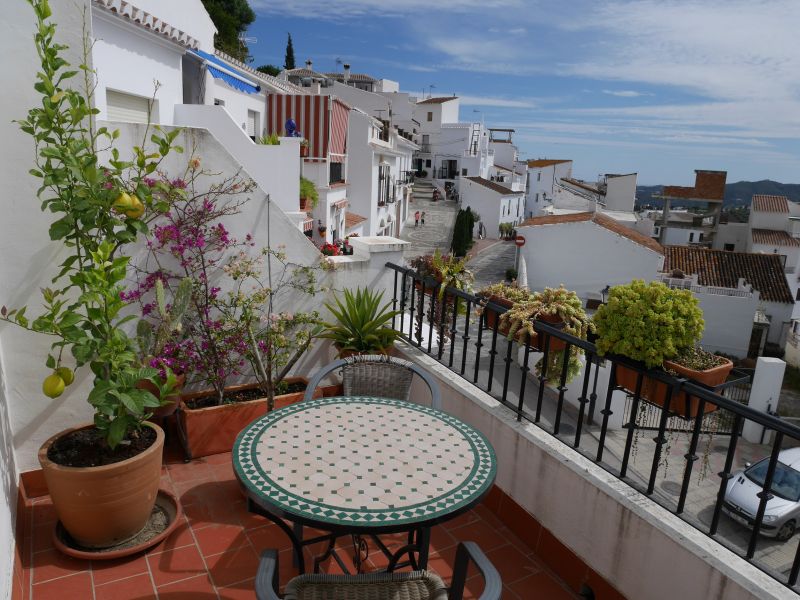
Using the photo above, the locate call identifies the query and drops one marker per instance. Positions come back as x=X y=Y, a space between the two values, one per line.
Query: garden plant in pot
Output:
x=103 y=477
x=363 y=323
x=660 y=327
x=502 y=294
x=232 y=327
x=309 y=197
x=556 y=306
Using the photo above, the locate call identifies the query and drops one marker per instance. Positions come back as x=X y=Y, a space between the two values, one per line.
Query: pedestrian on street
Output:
x=423 y=218
x=416 y=219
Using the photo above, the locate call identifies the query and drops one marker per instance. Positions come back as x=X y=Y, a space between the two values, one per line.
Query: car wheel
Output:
x=786 y=531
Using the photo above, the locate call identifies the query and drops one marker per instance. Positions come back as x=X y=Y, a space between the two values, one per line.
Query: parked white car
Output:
x=782 y=513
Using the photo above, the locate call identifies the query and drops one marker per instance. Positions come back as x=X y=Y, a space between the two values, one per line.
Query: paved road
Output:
x=491 y=264
x=440 y=217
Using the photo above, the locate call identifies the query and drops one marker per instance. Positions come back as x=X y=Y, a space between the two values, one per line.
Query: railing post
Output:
x=764 y=390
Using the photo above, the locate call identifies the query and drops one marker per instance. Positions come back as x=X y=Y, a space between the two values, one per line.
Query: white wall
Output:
x=505 y=155
x=363 y=180
x=236 y=103
x=729 y=322
x=276 y=169
x=737 y=234
x=620 y=192
x=492 y=207
x=678 y=236
x=584 y=257
x=8 y=493
x=450 y=109
x=780 y=318
x=769 y=220
x=189 y=16
x=373 y=104
x=128 y=59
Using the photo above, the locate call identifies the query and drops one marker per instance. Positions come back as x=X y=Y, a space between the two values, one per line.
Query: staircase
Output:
x=437 y=233
x=423 y=190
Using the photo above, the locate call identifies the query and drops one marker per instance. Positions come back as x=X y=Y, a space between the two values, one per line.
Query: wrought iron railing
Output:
x=444 y=325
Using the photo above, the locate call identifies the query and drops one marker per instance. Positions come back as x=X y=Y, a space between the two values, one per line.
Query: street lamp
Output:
x=604 y=293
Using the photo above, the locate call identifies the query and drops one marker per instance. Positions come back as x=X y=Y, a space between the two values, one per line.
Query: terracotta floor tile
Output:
x=561 y=560
x=42 y=537
x=43 y=512
x=482 y=533
x=220 y=538
x=198 y=490
x=192 y=471
x=219 y=459
x=51 y=564
x=269 y=536
x=137 y=587
x=76 y=586
x=175 y=565
x=195 y=588
x=512 y=564
x=247 y=519
x=244 y=590
x=461 y=520
x=180 y=538
x=234 y=566
x=541 y=585
x=203 y=514
x=106 y=571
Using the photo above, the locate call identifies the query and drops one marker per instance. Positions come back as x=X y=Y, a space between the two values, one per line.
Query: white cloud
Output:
x=626 y=93
x=339 y=9
x=467 y=100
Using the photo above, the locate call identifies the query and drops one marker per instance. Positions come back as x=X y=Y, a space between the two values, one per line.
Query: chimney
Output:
x=309 y=64
x=346 y=72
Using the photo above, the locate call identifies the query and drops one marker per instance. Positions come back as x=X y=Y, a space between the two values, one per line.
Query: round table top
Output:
x=363 y=463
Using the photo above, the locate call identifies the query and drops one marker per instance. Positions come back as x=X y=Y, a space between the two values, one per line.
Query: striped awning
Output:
x=308 y=225
x=219 y=69
x=341 y=203
x=322 y=120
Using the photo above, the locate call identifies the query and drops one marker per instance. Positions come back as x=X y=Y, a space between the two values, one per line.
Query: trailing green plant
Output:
x=99 y=209
x=309 y=190
x=555 y=365
x=510 y=292
x=559 y=303
x=648 y=322
x=362 y=322
x=511 y=274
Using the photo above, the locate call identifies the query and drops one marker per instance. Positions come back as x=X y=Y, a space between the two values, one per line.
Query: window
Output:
x=218 y=102
x=337 y=172
x=463 y=172
x=691 y=237
x=428 y=163
x=383 y=185
x=700 y=238
x=539 y=176
x=797 y=297
x=252 y=126
x=430 y=116
x=730 y=247
x=537 y=197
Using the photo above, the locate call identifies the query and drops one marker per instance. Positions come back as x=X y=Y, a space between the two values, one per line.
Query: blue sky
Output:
x=659 y=87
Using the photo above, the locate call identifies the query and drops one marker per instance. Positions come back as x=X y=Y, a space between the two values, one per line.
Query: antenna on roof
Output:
x=244 y=40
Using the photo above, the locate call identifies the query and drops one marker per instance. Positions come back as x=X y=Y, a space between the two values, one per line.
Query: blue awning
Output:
x=219 y=69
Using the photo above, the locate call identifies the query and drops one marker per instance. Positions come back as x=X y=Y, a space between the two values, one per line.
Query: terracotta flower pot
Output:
x=349 y=353
x=555 y=343
x=106 y=505
x=305 y=204
x=167 y=409
x=213 y=430
x=655 y=392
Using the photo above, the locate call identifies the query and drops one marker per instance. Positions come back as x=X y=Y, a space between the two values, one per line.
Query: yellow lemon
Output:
x=53 y=386
x=136 y=210
x=66 y=374
x=123 y=203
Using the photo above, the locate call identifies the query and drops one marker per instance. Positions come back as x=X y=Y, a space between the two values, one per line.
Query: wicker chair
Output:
x=416 y=585
x=376 y=375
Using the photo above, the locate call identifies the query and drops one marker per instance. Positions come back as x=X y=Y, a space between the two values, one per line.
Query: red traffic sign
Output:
x=519 y=241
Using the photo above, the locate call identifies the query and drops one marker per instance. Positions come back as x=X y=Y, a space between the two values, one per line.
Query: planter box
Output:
x=655 y=392
x=213 y=430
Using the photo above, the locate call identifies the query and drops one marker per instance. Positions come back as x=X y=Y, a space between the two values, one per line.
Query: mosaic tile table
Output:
x=362 y=466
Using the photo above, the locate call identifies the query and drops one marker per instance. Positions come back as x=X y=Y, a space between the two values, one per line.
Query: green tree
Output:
x=231 y=17
x=462 y=232
x=269 y=70
x=288 y=62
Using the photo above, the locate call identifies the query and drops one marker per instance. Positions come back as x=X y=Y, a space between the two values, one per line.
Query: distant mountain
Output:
x=736 y=194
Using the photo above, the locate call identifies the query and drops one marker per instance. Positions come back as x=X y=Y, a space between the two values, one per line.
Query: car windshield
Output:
x=785 y=482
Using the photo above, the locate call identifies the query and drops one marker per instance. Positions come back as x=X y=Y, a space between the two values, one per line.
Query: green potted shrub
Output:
x=362 y=323
x=309 y=197
x=658 y=326
x=447 y=269
x=103 y=477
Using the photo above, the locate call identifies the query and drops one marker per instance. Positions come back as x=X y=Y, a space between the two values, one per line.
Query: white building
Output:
x=543 y=177
x=586 y=252
x=493 y=202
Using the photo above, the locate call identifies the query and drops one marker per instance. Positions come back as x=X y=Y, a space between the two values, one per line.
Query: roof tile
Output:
x=719 y=268
x=440 y=100
x=764 y=203
x=770 y=237
x=546 y=162
x=493 y=185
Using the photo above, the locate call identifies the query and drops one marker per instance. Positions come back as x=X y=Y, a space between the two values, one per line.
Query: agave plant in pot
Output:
x=658 y=326
x=362 y=323
x=103 y=477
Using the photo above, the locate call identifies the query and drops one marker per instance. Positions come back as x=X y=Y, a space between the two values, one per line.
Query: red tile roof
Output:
x=546 y=162
x=598 y=219
x=763 y=203
x=351 y=219
x=724 y=269
x=493 y=185
x=770 y=237
x=440 y=100
x=145 y=20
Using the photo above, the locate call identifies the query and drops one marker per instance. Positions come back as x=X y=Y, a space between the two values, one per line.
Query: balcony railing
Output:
x=460 y=340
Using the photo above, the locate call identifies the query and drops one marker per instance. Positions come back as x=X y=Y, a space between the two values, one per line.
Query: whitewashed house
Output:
x=586 y=252
x=543 y=179
x=493 y=202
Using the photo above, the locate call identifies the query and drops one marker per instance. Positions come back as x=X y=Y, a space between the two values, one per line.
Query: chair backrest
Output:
x=377 y=375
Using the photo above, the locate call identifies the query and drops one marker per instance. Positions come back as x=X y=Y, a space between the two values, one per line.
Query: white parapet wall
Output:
x=275 y=168
x=643 y=550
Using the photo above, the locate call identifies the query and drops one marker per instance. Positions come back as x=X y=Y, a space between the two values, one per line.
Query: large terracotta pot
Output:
x=305 y=204
x=213 y=430
x=655 y=392
x=493 y=316
x=167 y=409
x=555 y=343
x=103 y=506
x=349 y=353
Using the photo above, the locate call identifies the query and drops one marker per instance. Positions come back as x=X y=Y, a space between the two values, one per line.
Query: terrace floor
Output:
x=214 y=552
